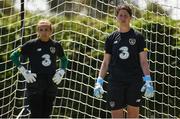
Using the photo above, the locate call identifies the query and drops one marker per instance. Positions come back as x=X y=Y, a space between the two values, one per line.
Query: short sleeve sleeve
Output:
x=141 y=43
x=108 y=45
x=60 y=50
x=26 y=48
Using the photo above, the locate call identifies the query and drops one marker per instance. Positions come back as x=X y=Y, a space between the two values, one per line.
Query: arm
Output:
x=15 y=57
x=64 y=62
x=144 y=63
x=25 y=50
x=60 y=72
x=98 y=89
x=104 y=65
x=148 y=88
x=29 y=77
x=60 y=53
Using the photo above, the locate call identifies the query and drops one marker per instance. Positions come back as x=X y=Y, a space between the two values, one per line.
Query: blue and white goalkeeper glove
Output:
x=148 y=87
x=29 y=77
x=98 y=89
x=58 y=76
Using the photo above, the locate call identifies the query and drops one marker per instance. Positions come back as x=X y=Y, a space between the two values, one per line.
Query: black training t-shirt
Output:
x=124 y=49
x=42 y=55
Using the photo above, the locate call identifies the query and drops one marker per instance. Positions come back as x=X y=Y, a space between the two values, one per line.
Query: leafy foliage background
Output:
x=83 y=39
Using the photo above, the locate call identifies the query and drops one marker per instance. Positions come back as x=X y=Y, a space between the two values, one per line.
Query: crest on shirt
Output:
x=39 y=49
x=132 y=41
x=112 y=104
x=138 y=100
x=53 y=50
x=115 y=42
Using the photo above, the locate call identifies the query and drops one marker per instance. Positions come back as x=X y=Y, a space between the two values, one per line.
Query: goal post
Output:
x=82 y=27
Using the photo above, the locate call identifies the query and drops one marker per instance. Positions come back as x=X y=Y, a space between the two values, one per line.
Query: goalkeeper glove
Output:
x=58 y=76
x=98 y=89
x=29 y=77
x=148 y=87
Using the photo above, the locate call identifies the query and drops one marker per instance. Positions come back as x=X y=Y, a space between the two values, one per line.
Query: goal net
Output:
x=82 y=27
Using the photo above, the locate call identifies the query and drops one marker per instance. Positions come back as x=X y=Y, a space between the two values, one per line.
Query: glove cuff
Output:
x=147 y=78
x=21 y=69
x=60 y=69
x=100 y=80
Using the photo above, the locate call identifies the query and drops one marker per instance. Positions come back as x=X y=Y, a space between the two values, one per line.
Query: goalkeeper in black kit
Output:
x=125 y=59
x=43 y=77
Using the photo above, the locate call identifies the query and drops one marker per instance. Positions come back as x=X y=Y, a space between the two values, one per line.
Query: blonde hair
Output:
x=44 y=22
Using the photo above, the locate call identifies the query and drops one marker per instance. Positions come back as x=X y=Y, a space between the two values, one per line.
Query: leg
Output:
x=47 y=106
x=132 y=112
x=133 y=98
x=35 y=105
x=117 y=113
x=49 y=97
x=35 y=98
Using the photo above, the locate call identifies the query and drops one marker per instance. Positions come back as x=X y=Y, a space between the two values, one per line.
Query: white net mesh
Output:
x=82 y=27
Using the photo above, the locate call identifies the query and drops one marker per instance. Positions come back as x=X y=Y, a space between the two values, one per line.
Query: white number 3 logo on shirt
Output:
x=47 y=61
x=124 y=52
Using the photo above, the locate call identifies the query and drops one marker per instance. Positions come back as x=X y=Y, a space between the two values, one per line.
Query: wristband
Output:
x=147 y=78
x=100 y=80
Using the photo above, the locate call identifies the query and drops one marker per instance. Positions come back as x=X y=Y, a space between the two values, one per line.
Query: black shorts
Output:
x=121 y=94
x=43 y=85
